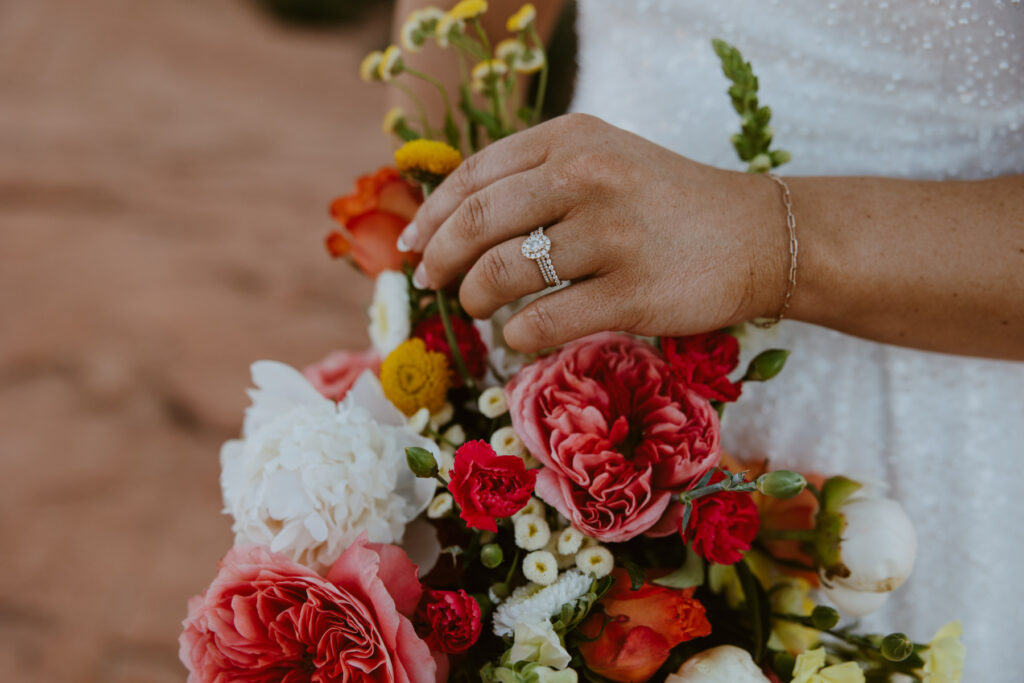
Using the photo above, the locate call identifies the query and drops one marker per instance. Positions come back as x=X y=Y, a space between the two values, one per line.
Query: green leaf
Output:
x=759 y=607
x=766 y=365
x=689 y=575
x=636 y=574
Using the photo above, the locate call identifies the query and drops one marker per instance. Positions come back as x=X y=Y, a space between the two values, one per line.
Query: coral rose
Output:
x=703 y=363
x=488 y=486
x=266 y=619
x=617 y=432
x=471 y=346
x=374 y=215
x=337 y=373
x=723 y=525
x=638 y=629
x=450 y=621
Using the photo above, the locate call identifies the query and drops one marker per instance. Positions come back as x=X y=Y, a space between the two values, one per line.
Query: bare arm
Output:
x=442 y=63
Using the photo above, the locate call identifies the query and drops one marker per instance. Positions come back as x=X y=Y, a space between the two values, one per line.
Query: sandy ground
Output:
x=164 y=174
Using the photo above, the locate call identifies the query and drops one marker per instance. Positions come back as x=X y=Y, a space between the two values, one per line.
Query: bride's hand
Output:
x=653 y=243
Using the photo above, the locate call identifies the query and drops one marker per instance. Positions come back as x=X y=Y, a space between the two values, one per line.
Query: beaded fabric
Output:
x=903 y=88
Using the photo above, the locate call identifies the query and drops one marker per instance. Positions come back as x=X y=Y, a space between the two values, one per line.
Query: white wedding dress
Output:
x=904 y=88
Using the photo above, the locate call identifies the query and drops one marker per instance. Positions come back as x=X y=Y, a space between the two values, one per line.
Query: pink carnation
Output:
x=266 y=619
x=334 y=375
x=616 y=432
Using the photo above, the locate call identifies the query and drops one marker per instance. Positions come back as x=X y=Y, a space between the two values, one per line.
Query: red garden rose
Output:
x=374 y=215
x=617 y=432
x=450 y=621
x=703 y=362
x=487 y=486
x=638 y=629
x=723 y=525
x=471 y=346
x=266 y=619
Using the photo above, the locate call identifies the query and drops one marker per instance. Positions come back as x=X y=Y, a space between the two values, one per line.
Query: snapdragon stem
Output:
x=542 y=83
x=724 y=485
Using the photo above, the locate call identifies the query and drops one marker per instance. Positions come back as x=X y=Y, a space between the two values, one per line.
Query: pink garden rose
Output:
x=334 y=375
x=266 y=619
x=617 y=433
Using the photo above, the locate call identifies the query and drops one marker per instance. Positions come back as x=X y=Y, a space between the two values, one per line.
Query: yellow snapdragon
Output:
x=944 y=658
x=810 y=668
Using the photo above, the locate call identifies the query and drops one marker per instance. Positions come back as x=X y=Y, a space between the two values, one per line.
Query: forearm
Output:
x=932 y=265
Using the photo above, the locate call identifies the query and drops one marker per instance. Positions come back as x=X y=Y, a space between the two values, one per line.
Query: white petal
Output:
x=279 y=388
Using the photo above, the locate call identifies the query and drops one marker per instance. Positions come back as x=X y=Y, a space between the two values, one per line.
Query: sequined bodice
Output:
x=904 y=88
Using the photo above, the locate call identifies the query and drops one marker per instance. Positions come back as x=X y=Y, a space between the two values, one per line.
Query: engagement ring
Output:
x=537 y=247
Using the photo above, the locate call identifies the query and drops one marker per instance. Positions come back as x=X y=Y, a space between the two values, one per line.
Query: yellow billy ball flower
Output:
x=390 y=63
x=427 y=161
x=414 y=377
x=447 y=28
x=522 y=19
x=468 y=9
x=392 y=120
x=370 y=64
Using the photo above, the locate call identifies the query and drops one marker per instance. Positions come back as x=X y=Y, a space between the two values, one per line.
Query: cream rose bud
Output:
x=538 y=642
x=852 y=603
x=722 y=664
x=492 y=402
x=878 y=545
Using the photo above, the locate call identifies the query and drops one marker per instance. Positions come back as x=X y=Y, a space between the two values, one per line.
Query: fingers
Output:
x=517 y=153
x=506 y=209
x=503 y=275
x=582 y=308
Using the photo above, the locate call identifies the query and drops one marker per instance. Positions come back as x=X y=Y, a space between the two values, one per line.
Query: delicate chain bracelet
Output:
x=794 y=246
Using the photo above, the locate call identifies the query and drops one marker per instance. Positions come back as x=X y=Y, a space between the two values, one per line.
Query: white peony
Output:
x=531 y=603
x=851 y=603
x=722 y=664
x=878 y=546
x=389 y=313
x=309 y=476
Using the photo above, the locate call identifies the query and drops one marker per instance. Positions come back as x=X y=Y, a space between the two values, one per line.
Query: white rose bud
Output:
x=722 y=664
x=852 y=603
x=538 y=642
x=878 y=545
x=492 y=402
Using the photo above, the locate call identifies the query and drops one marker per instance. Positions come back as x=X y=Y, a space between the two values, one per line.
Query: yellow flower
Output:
x=944 y=658
x=370 y=64
x=522 y=19
x=447 y=28
x=468 y=9
x=790 y=597
x=810 y=668
x=427 y=161
x=390 y=63
x=414 y=377
x=419 y=26
x=392 y=120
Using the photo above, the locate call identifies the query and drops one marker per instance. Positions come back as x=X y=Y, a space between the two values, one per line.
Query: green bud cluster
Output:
x=781 y=484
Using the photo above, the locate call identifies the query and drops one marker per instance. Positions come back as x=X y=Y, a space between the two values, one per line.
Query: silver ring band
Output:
x=537 y=247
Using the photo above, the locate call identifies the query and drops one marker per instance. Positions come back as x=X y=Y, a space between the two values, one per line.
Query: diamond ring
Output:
x=537 y=247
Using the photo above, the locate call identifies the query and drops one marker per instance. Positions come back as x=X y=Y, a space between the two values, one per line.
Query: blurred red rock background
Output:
x=165 y=169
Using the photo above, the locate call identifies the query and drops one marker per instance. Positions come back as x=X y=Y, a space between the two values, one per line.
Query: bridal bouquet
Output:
x=442 y=508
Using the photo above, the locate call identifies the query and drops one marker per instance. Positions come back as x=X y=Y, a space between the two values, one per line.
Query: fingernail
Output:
x=419 y=278
x=407 y=240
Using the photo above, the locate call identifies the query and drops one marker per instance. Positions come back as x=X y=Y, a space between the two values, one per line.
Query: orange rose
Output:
x=797 y=513
x=374 y=215
x=638 y=629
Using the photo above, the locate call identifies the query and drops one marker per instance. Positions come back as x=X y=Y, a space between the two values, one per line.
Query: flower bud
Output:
x=421 y=462
x=491 y=555
x=766 y=365
x=761 y=163
x=896 y=647
x=854 y=604
x=779 y=157
x=878 y=545
x=722 y=664
x=781 y=484
x=824 y=618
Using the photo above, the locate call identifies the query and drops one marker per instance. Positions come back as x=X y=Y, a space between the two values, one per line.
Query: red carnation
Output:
x=487 y=486
x=703 y=362
x=450 y=621
x=723 y=525
x=471 y=346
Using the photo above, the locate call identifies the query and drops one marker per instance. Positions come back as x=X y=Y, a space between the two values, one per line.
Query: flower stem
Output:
x=448 y=115
x=420 y=110
x=806 y=535
x=449 y=333
x=542 y=82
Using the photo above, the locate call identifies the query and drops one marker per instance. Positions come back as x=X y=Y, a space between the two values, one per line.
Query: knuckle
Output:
x=472 y=217
x=542 y=323
x=495 y=271
x=464 y=177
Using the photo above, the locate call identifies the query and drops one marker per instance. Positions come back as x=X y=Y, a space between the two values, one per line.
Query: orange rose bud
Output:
x=639 y=628
x=374 y=215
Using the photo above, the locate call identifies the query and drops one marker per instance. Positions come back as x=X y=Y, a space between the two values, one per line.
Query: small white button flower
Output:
x=540 y=567
x=448 y=27
x=569 y=541
x=532 y=532
x=419 y=420
x=505 y=441
x=533 y=507
x=455 y=435
x=597 y=560
x=420 y=25
x=440 y=506
x=389 y=312
x=445 y=462
x=443 y=416
x=368 y=67
x=391 y=63
x=492 y=402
